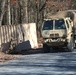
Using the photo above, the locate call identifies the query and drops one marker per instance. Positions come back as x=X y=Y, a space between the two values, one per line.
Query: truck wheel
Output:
x=46 y=48
x=70 y=44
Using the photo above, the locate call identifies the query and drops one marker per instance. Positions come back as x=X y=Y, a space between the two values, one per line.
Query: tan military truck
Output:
x=59 y=31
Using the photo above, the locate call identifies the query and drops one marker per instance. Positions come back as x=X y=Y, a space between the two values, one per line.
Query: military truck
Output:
x=58 y=31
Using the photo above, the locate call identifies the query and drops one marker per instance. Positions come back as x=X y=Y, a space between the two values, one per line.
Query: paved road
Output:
x=60 y=63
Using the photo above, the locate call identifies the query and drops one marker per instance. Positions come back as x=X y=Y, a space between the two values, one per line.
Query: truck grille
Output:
x=54 y=35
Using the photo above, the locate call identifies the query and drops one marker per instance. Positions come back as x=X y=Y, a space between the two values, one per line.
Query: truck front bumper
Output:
x=55 y=42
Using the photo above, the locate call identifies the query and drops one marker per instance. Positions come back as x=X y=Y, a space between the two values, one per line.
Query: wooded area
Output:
x=27 y=11
x=21 y=11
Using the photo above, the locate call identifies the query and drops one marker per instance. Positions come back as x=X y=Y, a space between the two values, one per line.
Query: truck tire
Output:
x=70 y=44
x=46 y=48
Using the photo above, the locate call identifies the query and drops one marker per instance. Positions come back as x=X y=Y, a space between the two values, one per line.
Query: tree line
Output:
x=21 y=11
x=27 y=11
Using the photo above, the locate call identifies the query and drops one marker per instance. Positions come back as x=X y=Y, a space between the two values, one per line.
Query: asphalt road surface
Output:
x=53 y=63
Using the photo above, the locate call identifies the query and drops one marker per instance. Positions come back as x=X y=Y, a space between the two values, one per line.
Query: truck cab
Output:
x=57 y=33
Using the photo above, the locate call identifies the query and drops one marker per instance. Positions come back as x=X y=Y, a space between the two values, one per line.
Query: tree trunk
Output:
x=2 y=11
x=9 y=13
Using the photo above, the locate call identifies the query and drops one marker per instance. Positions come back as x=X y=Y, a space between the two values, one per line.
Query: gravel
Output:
x=5 y=57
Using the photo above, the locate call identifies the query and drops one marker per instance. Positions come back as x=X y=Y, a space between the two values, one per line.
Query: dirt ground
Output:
x=5 y=57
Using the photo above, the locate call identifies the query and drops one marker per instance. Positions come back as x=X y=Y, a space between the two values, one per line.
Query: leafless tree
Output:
x=2 y=9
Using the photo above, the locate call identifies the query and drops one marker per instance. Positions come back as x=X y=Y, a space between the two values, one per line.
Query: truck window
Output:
x=48 y=25
x=59 y=24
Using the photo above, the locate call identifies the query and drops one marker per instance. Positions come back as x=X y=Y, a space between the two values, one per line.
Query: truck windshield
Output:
x=59 y=24
x=48 y=25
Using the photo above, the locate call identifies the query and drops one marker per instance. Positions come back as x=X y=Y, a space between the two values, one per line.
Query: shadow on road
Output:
x=40 y=51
